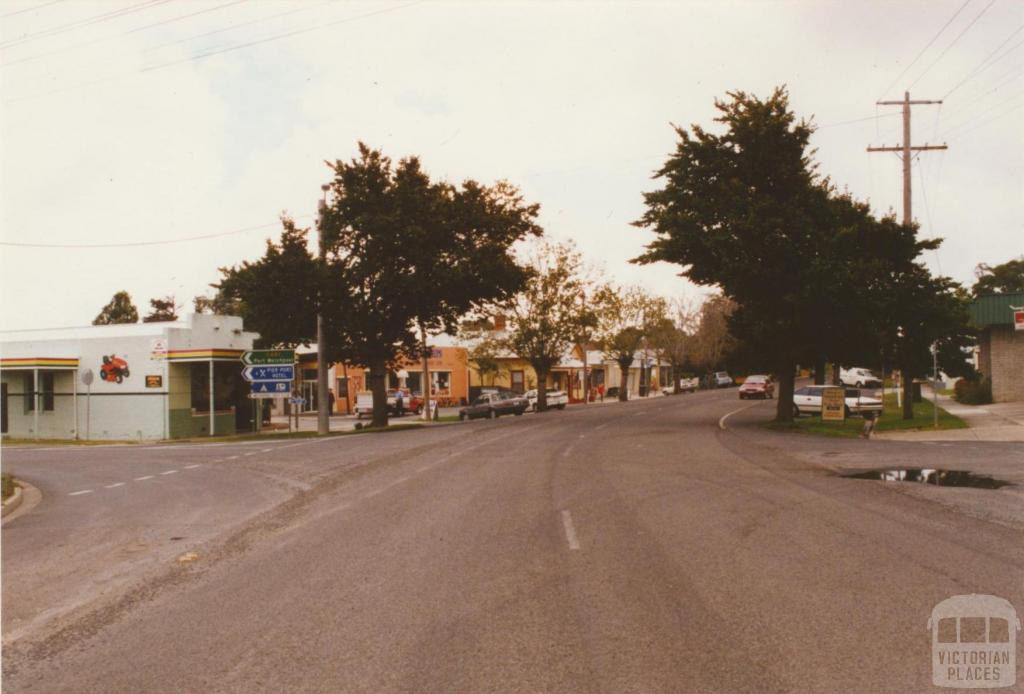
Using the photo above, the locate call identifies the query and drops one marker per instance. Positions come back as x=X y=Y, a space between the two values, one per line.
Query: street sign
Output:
x=271 y=372
x=259 y=357
x=833 y=404
x=1018 y=317
x=265 y=396
x=274 y=388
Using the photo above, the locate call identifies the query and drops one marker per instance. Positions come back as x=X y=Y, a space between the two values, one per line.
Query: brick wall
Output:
x=1006 y=360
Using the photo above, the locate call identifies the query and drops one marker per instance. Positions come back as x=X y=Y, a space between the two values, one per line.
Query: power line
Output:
x=95 y=19
x=990 y=120
x=29 y=9
x=953 y=43
x=857 y=120
x=981 y=66
x=133 y=244
x=983 y=113
x=923 y=50
x=170 y=20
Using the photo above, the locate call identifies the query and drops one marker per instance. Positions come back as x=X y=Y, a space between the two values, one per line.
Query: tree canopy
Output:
x=161 y=310
x=119 y=310
x=1008 y=277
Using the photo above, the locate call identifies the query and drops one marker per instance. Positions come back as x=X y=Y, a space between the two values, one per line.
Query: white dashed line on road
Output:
x=147 y=477
x=83 y=491
x=169 y=472
x=570 y=531
x=192 y=467
x=115 y=484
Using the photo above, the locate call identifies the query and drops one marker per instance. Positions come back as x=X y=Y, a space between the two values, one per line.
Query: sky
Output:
x=130 y=128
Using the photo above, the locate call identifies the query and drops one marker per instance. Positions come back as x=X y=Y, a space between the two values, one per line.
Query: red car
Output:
x=758 y=386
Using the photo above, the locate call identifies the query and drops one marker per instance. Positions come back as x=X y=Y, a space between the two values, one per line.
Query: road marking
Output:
x=231 y=457
x=116 y=484
x=84 y=491
x=370 y=495
x=266 y=450
x=570 y=531
x=251 y=453
x=401 y=479
x=721 y=422
x=147 y=477
x=169 y=472
x=192 y=467
x=582 y=435
x=566 y=452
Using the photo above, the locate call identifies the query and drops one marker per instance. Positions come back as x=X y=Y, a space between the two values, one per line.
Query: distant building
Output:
x=140 y=381
x=1000 y=322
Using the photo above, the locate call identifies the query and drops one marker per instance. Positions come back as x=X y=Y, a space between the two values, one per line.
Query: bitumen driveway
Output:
x=670 y=545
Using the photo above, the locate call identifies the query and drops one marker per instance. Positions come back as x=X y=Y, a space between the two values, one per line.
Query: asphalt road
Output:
x=643 y=547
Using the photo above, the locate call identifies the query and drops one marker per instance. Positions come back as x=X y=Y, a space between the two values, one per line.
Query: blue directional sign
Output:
x=275 y=387
x=272 y=372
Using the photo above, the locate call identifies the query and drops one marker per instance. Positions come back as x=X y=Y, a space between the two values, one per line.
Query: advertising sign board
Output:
x=833 y=404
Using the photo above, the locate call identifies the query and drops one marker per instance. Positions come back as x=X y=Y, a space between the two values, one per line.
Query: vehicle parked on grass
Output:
x=495 y=404
x=686 y=385
x=722 y=379
x=859 y=377
x=807 y=400
x=556 y=398
x=757 y=386
x=411 y=403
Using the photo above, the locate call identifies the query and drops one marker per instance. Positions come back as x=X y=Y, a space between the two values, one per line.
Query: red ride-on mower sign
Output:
x=114 y=369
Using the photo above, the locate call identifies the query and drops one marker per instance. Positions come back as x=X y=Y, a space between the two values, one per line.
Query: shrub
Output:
x=8 y=485
x=973 y=392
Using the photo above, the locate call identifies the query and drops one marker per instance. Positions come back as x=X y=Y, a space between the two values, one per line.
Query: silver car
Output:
x=807 y=400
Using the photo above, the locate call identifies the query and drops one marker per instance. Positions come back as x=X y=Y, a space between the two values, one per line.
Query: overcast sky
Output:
x=129 y=122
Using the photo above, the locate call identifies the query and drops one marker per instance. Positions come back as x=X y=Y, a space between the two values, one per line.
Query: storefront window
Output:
x=441 y=380
x=225 y=383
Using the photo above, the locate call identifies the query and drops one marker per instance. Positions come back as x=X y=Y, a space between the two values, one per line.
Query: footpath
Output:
x=996 y=422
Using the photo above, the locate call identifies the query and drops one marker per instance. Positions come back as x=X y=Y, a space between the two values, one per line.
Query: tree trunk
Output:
x=784 y=394
x=378 y=386
x=819 y=371
x=675 y=379
x=624 y=380
x=542 y=389
x=908 y=393
x=835 y=374
x=586 y=378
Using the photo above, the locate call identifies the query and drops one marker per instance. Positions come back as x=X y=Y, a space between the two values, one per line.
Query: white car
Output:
x=807 y=400
x=723 y=379
x=859 y=377
x=685 y=385
x=556 y=398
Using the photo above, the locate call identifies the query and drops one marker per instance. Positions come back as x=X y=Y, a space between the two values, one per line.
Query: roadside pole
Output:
x=425 y=386
x=935 y=383
x=323 y=422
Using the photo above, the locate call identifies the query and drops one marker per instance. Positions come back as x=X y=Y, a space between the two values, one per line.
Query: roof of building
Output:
x=995 y=309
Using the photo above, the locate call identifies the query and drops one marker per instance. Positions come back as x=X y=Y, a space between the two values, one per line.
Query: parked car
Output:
x=556 y=398
x=757 y=386
x=807 y=400
x=411 y=402
x=859 y=377
x=722 y=379
x=495 y=404
x=686 y=385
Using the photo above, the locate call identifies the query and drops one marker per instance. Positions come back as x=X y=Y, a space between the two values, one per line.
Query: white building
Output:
x=140 y=381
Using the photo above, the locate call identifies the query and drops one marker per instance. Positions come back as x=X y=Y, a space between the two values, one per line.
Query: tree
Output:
x=161 y=310
x=547 y=317
x=625 y=316
x=671 y=338
x=485 y=351
x=712 y=340
x=1008 y=277
x=218 y=305
x=119 y=310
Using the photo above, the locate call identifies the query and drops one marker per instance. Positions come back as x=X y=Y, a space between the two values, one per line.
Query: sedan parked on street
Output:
x=494 y=404
x=807 y=400
x=757 y=386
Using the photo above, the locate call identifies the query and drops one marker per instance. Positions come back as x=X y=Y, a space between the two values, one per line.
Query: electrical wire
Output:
x=923 y=50
x=96 y=19
x=134 y=244
x=927 y=211
x=982 y=113
x=953 y=42
x=982 y=65
x=39 y=56
x=29 y=9
x=857 y=120
x=990 y=120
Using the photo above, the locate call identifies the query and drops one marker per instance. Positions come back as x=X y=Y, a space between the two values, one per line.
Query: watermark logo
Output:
x=974 y=642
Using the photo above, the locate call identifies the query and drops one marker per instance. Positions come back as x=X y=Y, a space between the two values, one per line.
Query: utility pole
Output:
x=323 y=414
x=906 y=149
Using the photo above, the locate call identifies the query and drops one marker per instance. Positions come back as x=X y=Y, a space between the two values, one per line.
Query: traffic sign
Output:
x=271 y=372
x=281 y=388
x=259 y=357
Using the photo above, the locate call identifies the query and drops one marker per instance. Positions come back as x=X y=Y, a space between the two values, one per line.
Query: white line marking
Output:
x=84 y=491
x=566 y=452
x=721 y=422
x=169 y=472
x=570 y=531
x=370 y=495
x=231 y=457
x=192 y=467
x=252 y=453
x=401 y=479
x=116 y=484
x=147 y=477
x=266 y=450
x=582 y=435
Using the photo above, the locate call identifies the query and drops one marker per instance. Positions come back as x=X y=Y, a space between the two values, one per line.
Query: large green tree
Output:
x=119 y=310
x=991 y=279
x=161 y=310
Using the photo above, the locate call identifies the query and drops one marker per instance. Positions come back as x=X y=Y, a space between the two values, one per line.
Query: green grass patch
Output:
x=891 y=420
x=7 y=484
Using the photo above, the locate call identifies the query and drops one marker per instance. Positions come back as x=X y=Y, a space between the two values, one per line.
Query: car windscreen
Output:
x=756 y=379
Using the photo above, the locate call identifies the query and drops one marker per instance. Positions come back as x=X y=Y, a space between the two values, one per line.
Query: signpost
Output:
x=271 y=373
x=261 y=357
x=833 y=404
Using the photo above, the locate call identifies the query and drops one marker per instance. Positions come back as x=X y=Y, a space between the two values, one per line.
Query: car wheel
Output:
x=494 y=414
x=462 y=416
x=796 y=411
x=561 y=407
x=860 y=384
x=846 y=411
x=519 y=413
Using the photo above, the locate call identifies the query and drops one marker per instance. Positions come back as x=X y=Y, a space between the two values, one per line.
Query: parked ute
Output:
x=757 y=386
x=493 y=405
x=556 y=398
x=807 y=400
x=722 y=379
x=686 y=385
x=859 y=377
x=410 y=403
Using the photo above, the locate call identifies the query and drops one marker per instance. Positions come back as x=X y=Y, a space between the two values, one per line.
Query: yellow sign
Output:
x=154 y=381
x=833 y=404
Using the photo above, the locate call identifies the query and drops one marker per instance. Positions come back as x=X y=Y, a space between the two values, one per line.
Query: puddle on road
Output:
x=941 y=478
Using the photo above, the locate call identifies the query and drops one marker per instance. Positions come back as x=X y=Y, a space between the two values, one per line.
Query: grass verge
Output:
x=7 y=483
x=892 y=420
